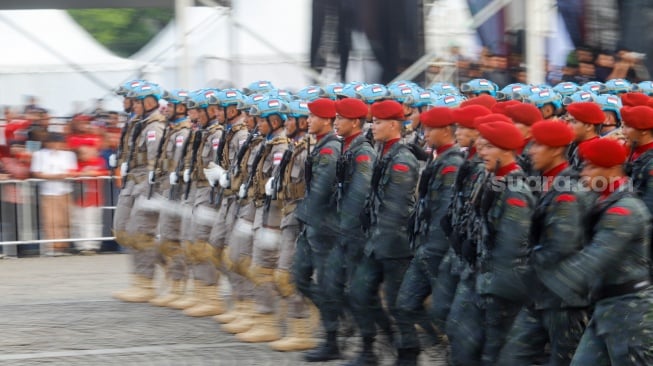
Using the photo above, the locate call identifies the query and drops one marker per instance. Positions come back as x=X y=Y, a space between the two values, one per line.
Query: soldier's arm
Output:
x=647 y=195
x=403 y=173
x=358 y=189
x=564 y=232
x=324 y=173
x=511 y=233
x=189 y=150
x=442 y=194
x=153 y=136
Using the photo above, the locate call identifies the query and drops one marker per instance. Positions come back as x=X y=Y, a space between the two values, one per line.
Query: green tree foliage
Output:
x=123 y=31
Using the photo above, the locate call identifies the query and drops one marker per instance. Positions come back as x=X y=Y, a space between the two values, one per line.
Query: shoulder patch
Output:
x=449 y=169
x=276 y=158
x=621 y=211
x=518 y=202
x=566 y=197
x=650 y=172
x=362 y=158
x=151 y=135
x=326 y=151
x=400 y=167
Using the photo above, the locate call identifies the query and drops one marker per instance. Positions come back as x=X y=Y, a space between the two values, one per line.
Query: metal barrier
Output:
x=22 y=209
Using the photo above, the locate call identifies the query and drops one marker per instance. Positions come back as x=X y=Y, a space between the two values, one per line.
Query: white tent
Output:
x=270 y=42
x=48 y=55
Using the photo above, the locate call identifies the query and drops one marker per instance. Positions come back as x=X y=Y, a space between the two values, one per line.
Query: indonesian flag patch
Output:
x=215 y=143
x=276 y=158
x=179 y=141
x=151 y=136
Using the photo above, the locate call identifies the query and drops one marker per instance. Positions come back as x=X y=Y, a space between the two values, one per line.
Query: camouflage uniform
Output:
x=126 y=198
x=613 y=269
x=556 y=233
x=436 y=189
x=387 y=252
x=142 y=225
x=641 y=173
x=355 y=165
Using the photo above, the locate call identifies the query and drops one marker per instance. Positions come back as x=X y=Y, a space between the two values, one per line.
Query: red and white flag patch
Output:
x=276 y=158
x=215 y=143
x=179 y=141
x=151 y=136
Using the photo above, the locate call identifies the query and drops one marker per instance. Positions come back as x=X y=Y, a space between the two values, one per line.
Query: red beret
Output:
x=587 y=112
x=634 y=99
x=504 y=135
x=524 y=113
x=605 y=153
x=465 y=116
x=388 y=109
x=500 y=107
x=351 y=108
x=640 y=117
x=437 y=117
x=485 y=100
x=323 y=108
x=552 y=133
x=492 y=117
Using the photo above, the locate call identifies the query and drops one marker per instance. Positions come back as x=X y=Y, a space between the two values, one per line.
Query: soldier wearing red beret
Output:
x=638 y=130
x=586 y=119
x=557 y=232
x=524 y=115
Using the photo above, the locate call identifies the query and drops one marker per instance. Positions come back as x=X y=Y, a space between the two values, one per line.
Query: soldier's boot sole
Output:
x=240 y=325
x=205 y=309
x=144 y=295
x=184 y=302
x=164 y=300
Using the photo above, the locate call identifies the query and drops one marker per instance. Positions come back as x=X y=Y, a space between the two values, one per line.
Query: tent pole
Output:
x=183 y=63
x=537 y=15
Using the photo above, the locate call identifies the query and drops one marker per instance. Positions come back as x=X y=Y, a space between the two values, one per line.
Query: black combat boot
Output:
x=326 y=351
x=407 y=357
x=367 y=356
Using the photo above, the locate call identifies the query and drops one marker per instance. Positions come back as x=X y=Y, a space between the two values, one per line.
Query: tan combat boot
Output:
x=190 y=298
x=122 y=294
x=243 y=321
x=144 y=293
x=230 y=315
x=210 y=304
x=298 y=338
x=265 y=329
x=175 y=292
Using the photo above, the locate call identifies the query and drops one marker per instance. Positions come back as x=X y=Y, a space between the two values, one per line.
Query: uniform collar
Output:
x=350 y=139
x=507 y=169
x=388 y=144
x=440 y=150
x=613 y=187
x=641 y=149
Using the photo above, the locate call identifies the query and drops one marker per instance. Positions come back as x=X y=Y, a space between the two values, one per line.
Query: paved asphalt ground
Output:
x=59 y=311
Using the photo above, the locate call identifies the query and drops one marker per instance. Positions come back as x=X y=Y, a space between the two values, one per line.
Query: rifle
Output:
x=252 y=172
x=218 y=159
x=308 y=165
x=172 y=194
x=278 y=176
x=138 y=127
x=379 y=170
x=344 y=161
x=629 y=163
x=241 y=152
x=193 y=158
x=123 y=132
x=159 y=151
x=420 y=216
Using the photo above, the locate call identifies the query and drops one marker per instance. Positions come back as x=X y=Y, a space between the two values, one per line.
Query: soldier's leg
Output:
x=444 y=291
x=499 y=316
x=565 y=329
x=120 y=219
x=592 y=349
x=333 y=286
x=465 y=325
x=186 y=237
x=414 y=289
x=303 y=268
x=526 y=340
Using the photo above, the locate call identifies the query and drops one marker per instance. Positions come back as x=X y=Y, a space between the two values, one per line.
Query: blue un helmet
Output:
x=422 y=98
x=350 y=90
x=451 y=101
x=298 y=108
x=610 y=103
x=595 y=87
x=373 y=93
x=268 y=107
x=144 y=90
x=479 y=86
x=227 y=97
x=618 y=86
x=515 y=91
x=545 y=96
x=441 y=88
x=579 y=96
x=261 y=86
x=645 y=87
x=402 y=93
x=566 y=88
x=333 y=89
x=199 y=99
x=311 y=92
x=280 y=94
x=249 y=100
x=176 y=96
x=128 y=86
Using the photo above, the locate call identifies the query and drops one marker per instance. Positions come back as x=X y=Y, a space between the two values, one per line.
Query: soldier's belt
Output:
x=630 y=287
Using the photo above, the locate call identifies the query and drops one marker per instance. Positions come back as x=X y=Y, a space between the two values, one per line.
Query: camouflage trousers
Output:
x=445 y=289
x=478 y=325
x=364 y=294
x=620 y=332
x=169 y=244
x=419 y=281
x=533 y=329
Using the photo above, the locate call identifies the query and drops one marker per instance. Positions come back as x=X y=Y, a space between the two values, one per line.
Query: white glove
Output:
x=242 y=192
x=213 y=173
x=150 y=177
x=113 y=161
x=174 y=179
x=186 y=175
x=124 y=169
x=225 y=180
x=269 y=187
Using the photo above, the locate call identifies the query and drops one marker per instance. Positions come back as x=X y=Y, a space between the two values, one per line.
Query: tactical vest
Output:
x=294 y=187
x=168 y=163
x=260 y=178
x=200 y=164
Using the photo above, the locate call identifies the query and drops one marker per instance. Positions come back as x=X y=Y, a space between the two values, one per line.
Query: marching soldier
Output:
x=387 y=252
x=431 y=243
x=524 y=115
x=171 y=161
x=290 y=190
x=317 y=212
x=585 y=119
x=557 y=232
x=612 y=268
x=499 y=237
x=141 y=165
